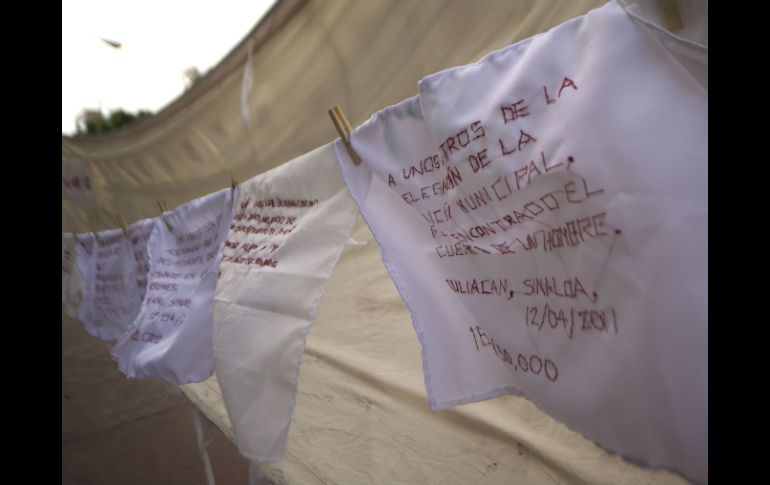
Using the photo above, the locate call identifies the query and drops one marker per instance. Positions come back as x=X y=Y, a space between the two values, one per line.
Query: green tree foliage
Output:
x=117 y=119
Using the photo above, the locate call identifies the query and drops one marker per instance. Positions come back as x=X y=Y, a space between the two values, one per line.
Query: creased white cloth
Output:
x=543 y=213
x=172 y=337
x=85 y=266
x=111 y=298
x=139 y=233
x=71 y=282
x=67 y=266
x=67 y=260
x=288 y=234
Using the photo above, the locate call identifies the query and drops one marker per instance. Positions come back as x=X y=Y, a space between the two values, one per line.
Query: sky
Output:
x=160 y=39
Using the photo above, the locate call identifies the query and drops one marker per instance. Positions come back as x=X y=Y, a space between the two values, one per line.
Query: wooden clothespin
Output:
x=343 y=128
x=233 y=184
x=98 y=241
x=123 y=224
x=672 y=19
x=163 y=208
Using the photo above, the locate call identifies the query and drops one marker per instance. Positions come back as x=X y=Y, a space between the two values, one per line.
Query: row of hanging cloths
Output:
x=468 y=195
x=254 y=259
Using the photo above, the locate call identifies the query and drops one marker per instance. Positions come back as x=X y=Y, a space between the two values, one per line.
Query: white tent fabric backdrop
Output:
x=362 y=413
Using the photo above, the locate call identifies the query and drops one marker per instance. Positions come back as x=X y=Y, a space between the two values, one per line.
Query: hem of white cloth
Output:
x=315 y=306
x=513 y=391
x=263 y=460
x=342 y=158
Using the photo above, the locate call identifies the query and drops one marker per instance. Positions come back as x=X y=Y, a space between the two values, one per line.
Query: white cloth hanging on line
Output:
x=172 y=337
x=81 y=298
x=289 y=231
x=543 y=213
x=116 y=278
x=111 y=299
x=71 y=282
x=139 y=233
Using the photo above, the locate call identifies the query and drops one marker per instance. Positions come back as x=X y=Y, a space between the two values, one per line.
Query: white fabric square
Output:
x=71 y=282
x=543 y=213
x=286 y=237
x=172 y=337
x=111 y=299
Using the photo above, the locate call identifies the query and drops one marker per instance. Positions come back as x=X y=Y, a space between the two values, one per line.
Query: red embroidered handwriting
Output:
x=514 y=111
x=503 y=187
x=522 y=177
x=109 y=241
x=181 y=262
x=588 y=320
x=271 y=231
x=550 y=285
x=246 y=247
x=156 y=301
x=93 y=320
x=438 y=216
x=265 y=218
x=571 y=234
x=427 y=165
x=532 y=364
x=166 y=317
x=479 y=161
x=476 y=286
x=148 y=337
x=524 y=139
x=250 y=261
x=181 y=302
x=207 y=227
x=525 y=213
x=452 y=180
x=165 y=287
x=462 y=139
x=459 y=249
x=183 y=251
x=107 y=252
x=565 y=83
x=485 y=341
x=300 y=203
x=167 y=274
